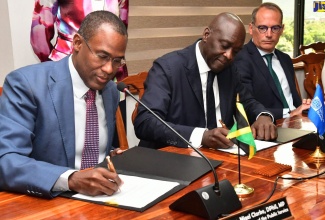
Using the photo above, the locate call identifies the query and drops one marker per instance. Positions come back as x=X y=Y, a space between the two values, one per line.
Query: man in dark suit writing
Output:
x=267 y=72
x=177 y=85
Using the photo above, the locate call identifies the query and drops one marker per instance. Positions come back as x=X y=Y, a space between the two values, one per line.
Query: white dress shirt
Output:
x=79 y=91
x=276 y=65
x=197 y=134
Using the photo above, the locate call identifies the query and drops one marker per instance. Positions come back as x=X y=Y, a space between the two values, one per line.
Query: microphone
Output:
x=209 y=202
x=123 y=88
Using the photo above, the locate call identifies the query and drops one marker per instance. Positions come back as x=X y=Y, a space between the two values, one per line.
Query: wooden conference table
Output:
x=305 y=198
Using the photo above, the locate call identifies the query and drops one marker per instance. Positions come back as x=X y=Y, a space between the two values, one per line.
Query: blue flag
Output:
x=316 y=111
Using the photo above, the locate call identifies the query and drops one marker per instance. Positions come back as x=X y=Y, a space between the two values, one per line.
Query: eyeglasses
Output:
x=103 y=58
x=263 y=28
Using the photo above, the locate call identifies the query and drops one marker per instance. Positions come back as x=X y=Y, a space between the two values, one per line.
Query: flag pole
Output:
x=241 y=189
x=239 y=171
x=316 y=115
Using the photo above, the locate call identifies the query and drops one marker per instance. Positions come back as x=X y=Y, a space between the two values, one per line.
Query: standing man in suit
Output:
x=176 y=89
x=280 y=95
x=43 y=114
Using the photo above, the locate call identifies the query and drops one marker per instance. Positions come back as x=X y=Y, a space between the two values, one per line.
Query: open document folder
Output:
x=149 y=176
x=136 y=192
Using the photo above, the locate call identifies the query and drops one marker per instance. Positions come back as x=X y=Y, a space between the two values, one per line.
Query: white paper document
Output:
x=136 y=192
x=260 y=145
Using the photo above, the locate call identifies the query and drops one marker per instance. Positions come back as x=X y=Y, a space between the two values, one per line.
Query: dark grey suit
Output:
x=173 y=90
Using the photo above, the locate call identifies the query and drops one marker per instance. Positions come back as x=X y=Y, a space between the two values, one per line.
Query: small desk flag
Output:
x=316 y=111
x=241 y=130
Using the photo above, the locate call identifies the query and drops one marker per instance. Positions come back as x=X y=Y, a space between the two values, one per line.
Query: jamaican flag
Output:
x=241 y=130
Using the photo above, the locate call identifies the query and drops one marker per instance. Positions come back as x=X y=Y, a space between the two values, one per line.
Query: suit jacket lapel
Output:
x=64 y=107
x=194 y=76
x=260 y=63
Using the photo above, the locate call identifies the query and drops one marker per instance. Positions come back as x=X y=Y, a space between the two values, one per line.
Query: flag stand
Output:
x=318 y=154
x=241 y=189
x=316 y=116
x=241 y=134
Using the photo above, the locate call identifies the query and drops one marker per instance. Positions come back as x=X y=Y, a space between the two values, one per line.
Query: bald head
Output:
x=222 y=40
x=228 y=20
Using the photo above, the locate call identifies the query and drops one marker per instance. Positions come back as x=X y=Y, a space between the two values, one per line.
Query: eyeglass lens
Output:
x=264 y=28
x=116 y=62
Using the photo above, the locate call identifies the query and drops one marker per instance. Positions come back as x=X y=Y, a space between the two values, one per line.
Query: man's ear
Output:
x=76 y=42
x=250 y=28
x=206 y=34
x=282 y=30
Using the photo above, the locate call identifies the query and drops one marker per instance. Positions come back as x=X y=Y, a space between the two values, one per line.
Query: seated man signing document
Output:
x=59 y=117
x=193 y=88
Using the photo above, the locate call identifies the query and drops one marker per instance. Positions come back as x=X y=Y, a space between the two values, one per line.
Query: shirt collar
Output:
x=262 y=52
x=79 y=87
x=203 y=66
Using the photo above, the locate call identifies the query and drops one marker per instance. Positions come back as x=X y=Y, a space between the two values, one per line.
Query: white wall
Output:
x=15 y=22
x=20 y=14
x=6 y=56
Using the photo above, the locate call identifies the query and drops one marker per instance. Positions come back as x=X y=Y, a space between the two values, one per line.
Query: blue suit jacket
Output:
x=37 y=129
x=256 y=77
x=173 y=91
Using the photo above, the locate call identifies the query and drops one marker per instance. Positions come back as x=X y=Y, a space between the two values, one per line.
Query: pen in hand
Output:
x=110 y=164
x=222 y=124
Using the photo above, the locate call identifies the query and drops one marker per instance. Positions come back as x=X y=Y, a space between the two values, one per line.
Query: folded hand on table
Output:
x=264 y=129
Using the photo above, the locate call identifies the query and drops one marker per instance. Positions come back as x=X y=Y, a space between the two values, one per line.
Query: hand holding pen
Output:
x=216 y=138
x=97 y=181
x=223 y=124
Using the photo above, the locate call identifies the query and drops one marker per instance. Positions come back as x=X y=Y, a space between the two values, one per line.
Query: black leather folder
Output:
x=159 y=165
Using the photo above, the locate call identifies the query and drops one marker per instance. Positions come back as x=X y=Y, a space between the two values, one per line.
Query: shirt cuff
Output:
x=196 y=137
x=266 y=113
x=62 y=184
x=286 y=112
